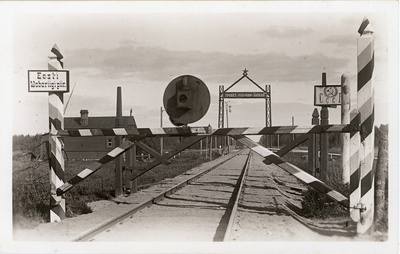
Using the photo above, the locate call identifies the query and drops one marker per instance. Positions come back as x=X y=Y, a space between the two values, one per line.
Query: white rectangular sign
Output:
x=327 y=95
x=244 y=95
x=48 y=81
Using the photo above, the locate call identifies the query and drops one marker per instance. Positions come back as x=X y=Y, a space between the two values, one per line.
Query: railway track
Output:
x=239 y=198
x=164 y=192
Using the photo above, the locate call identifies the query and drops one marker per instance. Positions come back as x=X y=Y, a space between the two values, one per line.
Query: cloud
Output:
x=339 y=40
x=128 y=42
x=159 y=64
x=285 y=32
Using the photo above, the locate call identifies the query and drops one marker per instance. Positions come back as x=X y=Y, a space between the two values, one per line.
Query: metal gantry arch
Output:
x=264 y=94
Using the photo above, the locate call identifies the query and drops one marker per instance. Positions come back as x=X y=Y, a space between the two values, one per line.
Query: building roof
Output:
x=101 y=122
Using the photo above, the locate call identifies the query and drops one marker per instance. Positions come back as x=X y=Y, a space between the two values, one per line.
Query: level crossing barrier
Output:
x=361 y=129
x=193 y=131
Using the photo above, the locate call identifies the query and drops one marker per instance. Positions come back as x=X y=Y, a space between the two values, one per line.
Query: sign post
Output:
x=118 y=142
x=324 y=174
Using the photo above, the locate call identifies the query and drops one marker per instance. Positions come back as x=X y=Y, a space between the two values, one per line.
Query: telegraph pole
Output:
x=228 y=110
x=324 y=174
x=161 y=124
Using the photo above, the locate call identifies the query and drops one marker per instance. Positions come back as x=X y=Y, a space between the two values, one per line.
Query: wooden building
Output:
x=91 y=147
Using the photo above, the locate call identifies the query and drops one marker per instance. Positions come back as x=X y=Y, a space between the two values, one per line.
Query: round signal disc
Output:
x=186 y=100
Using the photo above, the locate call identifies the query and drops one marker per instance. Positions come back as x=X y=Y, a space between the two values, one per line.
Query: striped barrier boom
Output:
x=135 y=132
x=95 y=166
x=192 y=131
x=286 y=130
x=365 y=104
x=295 y=171
x=56 y=123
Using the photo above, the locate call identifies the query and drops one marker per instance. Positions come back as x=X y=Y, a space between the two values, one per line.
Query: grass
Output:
x=31 y=186
x=317 y=205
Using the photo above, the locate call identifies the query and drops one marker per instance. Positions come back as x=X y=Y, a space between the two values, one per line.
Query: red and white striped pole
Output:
x=56 y=122
x=365 y=103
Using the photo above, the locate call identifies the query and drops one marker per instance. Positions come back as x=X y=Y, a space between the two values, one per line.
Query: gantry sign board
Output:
x=244 y=95
x=48 y=81
x=327 y=95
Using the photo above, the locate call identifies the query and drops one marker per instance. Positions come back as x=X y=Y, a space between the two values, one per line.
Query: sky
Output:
x=141 y=47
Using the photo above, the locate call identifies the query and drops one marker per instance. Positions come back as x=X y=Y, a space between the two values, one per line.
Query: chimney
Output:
x=84 y=117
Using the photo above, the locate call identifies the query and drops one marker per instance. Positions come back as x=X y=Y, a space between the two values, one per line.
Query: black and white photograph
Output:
x=199 y=127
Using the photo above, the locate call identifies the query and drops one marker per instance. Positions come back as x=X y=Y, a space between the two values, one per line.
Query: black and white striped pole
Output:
x=56 y=123
x=365 y=104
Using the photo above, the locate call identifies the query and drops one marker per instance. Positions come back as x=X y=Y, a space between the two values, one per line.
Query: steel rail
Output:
x=88 y=235
x=238 y=193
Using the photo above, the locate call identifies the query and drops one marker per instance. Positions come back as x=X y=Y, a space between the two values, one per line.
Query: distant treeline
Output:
x=29 y=143
x=284 y=139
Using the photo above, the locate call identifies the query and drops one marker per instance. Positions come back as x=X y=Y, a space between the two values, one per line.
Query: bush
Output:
x=316 y=204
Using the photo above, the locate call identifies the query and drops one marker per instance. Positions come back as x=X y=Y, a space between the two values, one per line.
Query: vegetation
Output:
x=31 y=186
x=285 y=139
x=317 y=205
x=26 y=142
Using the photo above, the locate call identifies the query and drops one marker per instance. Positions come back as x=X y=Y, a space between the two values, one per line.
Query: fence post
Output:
x=381 y=174
x=345 y=119
x=324 y=174
x=365 y=104
x=209 y=130
x=161 y=138
x=118 y=142
x=211 y=148
x=56 y=122
x=130 y=186
x=208 y=147
x=313 y=145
